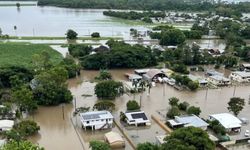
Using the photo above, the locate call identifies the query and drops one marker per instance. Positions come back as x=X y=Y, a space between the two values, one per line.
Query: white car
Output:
x=247 y=134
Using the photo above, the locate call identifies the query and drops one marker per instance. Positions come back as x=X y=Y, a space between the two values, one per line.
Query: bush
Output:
x=194 y=110
x=104 y=75
x=98 y=145
x=183 y=106
x=173 y=101
x=132 y=105
x=217 y=127
x=172 y=112
x=95 y=35
x=193 y=85
x=26 y=128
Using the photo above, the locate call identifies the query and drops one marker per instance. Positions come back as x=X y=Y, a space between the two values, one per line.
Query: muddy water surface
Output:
x=57 y=133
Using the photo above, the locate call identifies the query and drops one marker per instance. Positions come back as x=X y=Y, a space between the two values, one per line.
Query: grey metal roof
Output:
x=191 y=120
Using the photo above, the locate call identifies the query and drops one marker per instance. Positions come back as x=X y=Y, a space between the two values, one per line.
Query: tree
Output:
x=1 y=32
x=95 y=35
x=71 y=34
x=18 y=5
x=194 y=110
x=188 y=138
x=23 y=98
x=51 y=88
x=41 y=61
x=217 y=127
x=183 y=106
x=173 y=101
x=132 y=105
x=235 y=105
x=70 y=65
x=147 y=146
x=108 y=89
x=20 y=145
x=173 y=111
x=26 y=128
x=172 y=37
x=98 y=145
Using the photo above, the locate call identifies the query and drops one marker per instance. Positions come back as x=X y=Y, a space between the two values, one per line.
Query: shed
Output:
x=153 y=74
x=114 y=140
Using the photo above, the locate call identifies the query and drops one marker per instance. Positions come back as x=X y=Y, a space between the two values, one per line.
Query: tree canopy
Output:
x=235 y=105
x=108 y=89
x=188 y=138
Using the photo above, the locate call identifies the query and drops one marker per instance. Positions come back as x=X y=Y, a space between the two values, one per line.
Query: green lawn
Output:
x=20 y=54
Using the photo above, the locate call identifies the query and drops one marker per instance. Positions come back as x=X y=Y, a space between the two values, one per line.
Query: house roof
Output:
x=219 y=78
x=192 y=120
x=96 y=115
x=246 y=65
x=6 y=123
x=153 y=72
x=139 y=115
x=227 y=120
x=133 y=76
x=242 y=73
x=213 y=72
x=113 y=137
x=196 y=78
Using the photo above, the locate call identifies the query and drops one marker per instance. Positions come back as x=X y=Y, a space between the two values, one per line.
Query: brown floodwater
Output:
x=59 y=134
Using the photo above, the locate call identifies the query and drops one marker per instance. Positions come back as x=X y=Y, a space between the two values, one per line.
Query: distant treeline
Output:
x=132 y=15
x=182 y=5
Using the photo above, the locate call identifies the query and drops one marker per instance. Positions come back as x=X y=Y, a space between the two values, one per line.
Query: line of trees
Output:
x=132 y=15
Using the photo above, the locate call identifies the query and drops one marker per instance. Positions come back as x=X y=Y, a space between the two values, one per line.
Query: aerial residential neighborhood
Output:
x=125 y=75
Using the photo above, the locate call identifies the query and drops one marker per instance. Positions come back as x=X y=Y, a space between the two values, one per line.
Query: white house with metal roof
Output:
x=219 y=80
x=97 y=120
x=137 y=118
x=186 y=121
x=240 y=76
x=228 y=121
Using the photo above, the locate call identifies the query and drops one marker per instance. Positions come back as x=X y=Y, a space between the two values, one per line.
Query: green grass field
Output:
x=20 y=54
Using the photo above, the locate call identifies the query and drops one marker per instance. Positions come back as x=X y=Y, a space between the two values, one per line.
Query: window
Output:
x=87 y=122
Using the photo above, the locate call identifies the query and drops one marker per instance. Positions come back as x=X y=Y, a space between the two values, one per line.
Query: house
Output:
x=133 y=77
x=153 y=75
x=213 y=73
x=167 y=72
x=114 y=140
x=6 y=125
x=201 y=81
x=219 y=80
x=228 y=121
x=245 y=67
x=137 y=118
x=141 y=71
x=97 y=120
x=186 y=121
x=240 y=76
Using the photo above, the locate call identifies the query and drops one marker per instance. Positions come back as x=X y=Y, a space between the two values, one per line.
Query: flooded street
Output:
x=56 y=130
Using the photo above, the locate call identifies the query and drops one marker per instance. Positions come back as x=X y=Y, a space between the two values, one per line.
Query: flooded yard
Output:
x=56 y=130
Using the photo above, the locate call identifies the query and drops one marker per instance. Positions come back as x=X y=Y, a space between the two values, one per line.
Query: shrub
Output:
x=132 y=105
x=108 y=89
x=95 y=35
x=172 y=112
x=194 y=110
x=98 y=145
